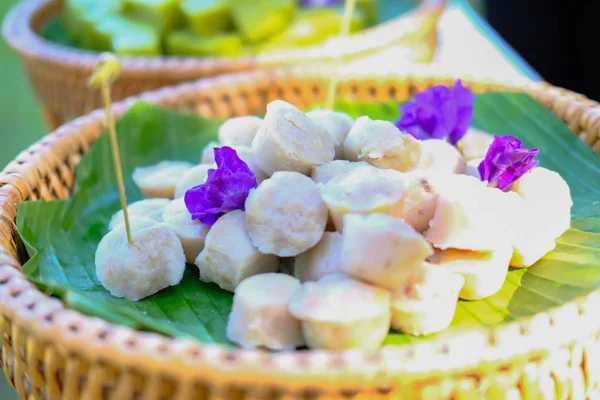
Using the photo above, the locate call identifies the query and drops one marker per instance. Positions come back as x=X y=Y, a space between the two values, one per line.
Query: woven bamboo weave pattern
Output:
x=59 y=74
x=50 y=352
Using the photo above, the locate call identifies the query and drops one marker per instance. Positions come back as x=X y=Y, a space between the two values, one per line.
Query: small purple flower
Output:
x=438 y=113
x=225 y=189
x=319 y=3
x=506 y=161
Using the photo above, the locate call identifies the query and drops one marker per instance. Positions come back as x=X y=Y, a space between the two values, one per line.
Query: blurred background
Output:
x=555 y=38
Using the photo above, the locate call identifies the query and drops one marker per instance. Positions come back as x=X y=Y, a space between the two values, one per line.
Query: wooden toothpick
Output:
x=104 y=75
x=344 y=30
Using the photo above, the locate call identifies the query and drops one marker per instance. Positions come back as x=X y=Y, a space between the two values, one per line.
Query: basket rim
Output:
x=22 y=38
x=461 y=352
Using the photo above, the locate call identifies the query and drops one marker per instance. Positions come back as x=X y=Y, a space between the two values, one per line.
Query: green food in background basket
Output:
x=151 y=27
x=259 y=19
x=206 y=17
x=162 y=14
x=81 y=16
x=187 y=43
x=314 y=26
x=125 y=36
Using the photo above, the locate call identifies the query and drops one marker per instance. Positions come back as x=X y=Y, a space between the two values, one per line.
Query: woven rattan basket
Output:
x=50 y=352
x=58 y=74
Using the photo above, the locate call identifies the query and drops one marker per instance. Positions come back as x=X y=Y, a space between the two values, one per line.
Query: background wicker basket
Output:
x=50 y=352
x=58 y=74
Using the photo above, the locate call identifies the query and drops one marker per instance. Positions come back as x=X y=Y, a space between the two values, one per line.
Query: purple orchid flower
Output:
x=506 y=161
x=438 y=113
x=225 y=189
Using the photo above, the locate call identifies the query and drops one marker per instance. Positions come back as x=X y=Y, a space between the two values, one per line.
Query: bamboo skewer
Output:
x=104 y=75
x=344 y=31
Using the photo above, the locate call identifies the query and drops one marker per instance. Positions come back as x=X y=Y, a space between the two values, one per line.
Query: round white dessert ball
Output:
x=288 y=140
x=320 y=260
x=239 y=131
x=160 y=180
x=381 y=144
x=337 y=124
x=426 y=304
x=285 y=215
x=439 y=155
x=381 y=250
x=152 y=262
x=338 y=312
x=337 y=169
x=260 y=315
x=192 y=233
x=229 y=256
x=149 y=208
x=196 y=176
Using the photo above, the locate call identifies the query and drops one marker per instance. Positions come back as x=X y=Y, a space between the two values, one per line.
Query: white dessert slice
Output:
x=260 y=315
x=439 y=155
x=472 y=167
x=427 y=302
x=191 y=233
x=160 y=180
x=285 y=215
x=149 y=208
x=321 y=260
x=208 y=153
x=364 y=191
x=337 y=124
x=381 y=250
x=229 y=256
x=484 y=272
x=246 y=154
x=196 y=176
x=548 y=194
x=382 y=145
x=419 y=199
x=288 y=140
x=239 y=131
x=547 y=214
x=531 y=246
x=154 y=260
x=336 y=169
x=471 y=216
x=475 y=144
x=339 y=312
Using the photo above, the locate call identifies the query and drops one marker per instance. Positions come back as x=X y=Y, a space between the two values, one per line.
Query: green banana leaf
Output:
x=62 y=236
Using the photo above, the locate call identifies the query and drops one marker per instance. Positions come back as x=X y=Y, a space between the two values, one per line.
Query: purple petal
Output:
x=226 y=188
x=464 y=99
x=506 y=161
x=463 y=96
x=227 y=157
x=464 y=116
x=319 y=3
x=446 y=118
x=438 y=113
